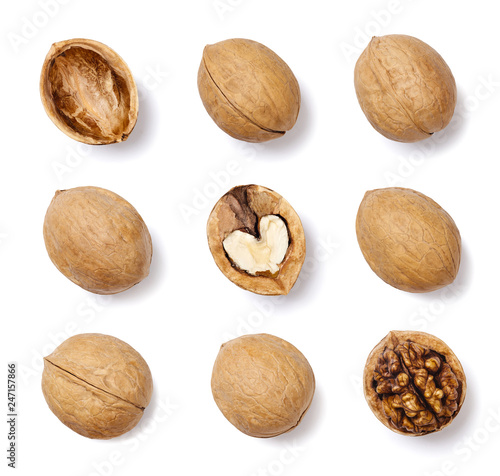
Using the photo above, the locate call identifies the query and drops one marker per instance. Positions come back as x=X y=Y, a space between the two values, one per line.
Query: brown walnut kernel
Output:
x=404 y=87
x=414 y=383
x=408 y=240
x=241 y=212
x=262 y=384
x=97 y=239
x=248 y=90
x=97 y=385
x=88 y=92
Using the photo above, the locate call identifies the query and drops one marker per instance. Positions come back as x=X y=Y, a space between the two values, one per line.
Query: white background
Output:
x=175 y=166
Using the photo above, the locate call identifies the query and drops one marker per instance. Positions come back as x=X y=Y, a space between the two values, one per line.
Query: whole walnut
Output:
x=405 y=88
x=262 y=384
x=97 y=385
x=97 y=239
x=248 y=90
x=408 y=240
x=414 y=383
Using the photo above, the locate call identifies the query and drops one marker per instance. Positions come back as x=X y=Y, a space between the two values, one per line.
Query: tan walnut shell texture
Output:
x=97 y=385
x=97 y=239
x=408 y=240
x=262 y=384
x=405 y=88
x=241 y=209
x=414 y=383
x=248 y=90
x=88 y=92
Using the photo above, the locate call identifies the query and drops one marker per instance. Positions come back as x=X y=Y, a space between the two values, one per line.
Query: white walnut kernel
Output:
x=259 y=255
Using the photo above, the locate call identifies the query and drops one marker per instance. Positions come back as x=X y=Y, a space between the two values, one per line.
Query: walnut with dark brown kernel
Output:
x=257 y=240
x=414 y=383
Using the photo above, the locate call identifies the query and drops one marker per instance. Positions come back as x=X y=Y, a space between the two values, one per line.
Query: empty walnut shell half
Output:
x=257 y=240
x=89 y=92
x=97 y=239
x=408 y=240
x=262 y=384
x=97 y=385
x=414 y=383
x=248 y=90
x=405 y=88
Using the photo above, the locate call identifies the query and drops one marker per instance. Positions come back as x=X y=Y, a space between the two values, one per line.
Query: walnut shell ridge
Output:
x=408 y=240
x=262 y=384
x=97 y=385
x=248 y=90
x=414 y=383
x=88 y=92
x=404 y=87
x=241 y=209
x=97 y=239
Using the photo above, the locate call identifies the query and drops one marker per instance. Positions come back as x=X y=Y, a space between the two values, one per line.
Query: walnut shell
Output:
x=88 y=92
x=408 y=240
x=242 y=209
x=248 y=90
x=97 y=239
x=262 y=384
x=405 y=88
x=97 y=385
x=414 y=383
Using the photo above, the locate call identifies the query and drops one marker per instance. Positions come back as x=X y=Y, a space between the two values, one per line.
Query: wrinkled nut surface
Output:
x=408 y=240
x=248 y=90
x=262 y=384
x=97 y=385
x=97 y=239
x=89 y=92
x=414 y=383
x=405 y=88
x=257 y=240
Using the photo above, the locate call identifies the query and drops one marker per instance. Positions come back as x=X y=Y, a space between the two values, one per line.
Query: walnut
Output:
x=408 y=240
x=97 y=385
x=405 y=88
x=97 y=239
x=248 y=90
x=89 y=92
x=262 y=384
x=257 y=240
x=414 y=383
